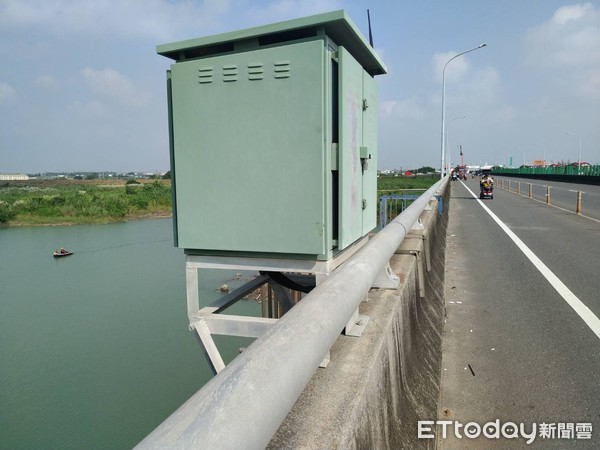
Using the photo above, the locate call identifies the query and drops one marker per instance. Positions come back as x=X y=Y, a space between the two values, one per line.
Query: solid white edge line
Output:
x=583 y=311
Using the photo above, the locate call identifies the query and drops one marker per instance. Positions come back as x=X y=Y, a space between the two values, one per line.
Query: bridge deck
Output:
x=514 y=349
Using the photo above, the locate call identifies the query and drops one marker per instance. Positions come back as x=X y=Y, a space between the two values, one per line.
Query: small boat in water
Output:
x=62 y=252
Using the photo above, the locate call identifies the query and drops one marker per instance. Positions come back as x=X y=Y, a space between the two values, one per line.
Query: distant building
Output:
x=13 y=177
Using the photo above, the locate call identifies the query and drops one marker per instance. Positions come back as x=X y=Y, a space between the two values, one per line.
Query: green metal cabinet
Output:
x=273 y=139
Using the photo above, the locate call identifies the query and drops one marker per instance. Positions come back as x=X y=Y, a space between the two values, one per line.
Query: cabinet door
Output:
x=350 y=141
x=370 y=153
x=249 y=151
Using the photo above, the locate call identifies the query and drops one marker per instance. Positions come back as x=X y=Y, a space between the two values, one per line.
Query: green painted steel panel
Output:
x=274 y=138
x=172 y=159
x=351 y=132
x=250 y=150
x=370 y=144
x=335 y=24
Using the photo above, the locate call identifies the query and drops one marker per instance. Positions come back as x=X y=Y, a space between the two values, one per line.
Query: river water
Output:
x=95 y=350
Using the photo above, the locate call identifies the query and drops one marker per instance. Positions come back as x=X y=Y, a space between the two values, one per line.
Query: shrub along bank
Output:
x=81 y=204
x=53 y=203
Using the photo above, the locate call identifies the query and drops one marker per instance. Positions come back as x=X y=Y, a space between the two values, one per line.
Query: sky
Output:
x=82 y=88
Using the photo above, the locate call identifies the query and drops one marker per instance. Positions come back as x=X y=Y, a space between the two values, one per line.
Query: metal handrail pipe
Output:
x=244 y=405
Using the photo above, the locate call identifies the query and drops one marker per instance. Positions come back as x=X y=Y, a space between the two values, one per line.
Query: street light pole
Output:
x=579 y=159
x=444 y=105
x=543 y=148
x=448 y=159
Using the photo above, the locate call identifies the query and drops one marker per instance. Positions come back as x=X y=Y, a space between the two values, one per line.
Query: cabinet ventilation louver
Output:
x=205 y=75
x=230 y=73
x=255 y=71
x=282 y=69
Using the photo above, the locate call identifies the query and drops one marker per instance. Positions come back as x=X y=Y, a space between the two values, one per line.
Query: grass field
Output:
x=395 y=185
x=62 y=202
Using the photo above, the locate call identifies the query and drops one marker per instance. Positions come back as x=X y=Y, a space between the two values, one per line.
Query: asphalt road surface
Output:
x=562 y=195
x=522 y=335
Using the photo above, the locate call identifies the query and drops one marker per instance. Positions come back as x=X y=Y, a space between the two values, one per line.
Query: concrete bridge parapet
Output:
x=377 y=387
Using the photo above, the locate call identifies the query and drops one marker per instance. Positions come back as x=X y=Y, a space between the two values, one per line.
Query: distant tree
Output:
x=167 y=175
x=92 y=176
x=132 y=181
x=425 y=169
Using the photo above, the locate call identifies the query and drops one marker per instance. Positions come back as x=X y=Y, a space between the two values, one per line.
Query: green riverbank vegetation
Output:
x=55 y=204
x=86 y=201
x=398 y=184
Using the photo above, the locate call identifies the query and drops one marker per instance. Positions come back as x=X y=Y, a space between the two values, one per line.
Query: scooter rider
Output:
x=487 y=181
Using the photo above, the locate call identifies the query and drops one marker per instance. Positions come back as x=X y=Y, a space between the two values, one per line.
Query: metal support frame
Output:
x=237 y=408
x=413 y=245
x=356 y=324
x=210 y=320
x=283 y=295
x=422 y=234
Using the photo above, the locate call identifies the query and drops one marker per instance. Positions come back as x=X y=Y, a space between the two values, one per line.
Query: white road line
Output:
x=557 y=207
x=551 y=205
x=583 y=311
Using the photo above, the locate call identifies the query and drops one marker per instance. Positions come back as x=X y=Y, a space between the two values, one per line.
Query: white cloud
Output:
x=111 y=84
x=454 y=70
x=571 y=37
x=467 y=88
x=159 y=20
x=567 y=49
x=565 y=14
x=153 y=19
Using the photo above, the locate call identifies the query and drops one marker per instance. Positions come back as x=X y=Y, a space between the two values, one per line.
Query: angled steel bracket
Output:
x=210 y=320
x=228 y=325
x=356 y=324
x=387 y=279
x=413 y=245
x=426 y=250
